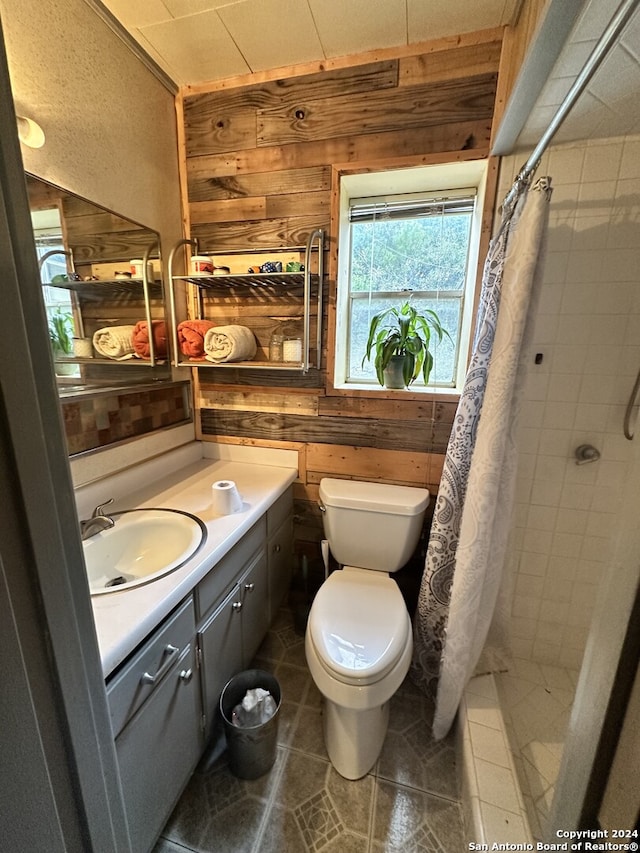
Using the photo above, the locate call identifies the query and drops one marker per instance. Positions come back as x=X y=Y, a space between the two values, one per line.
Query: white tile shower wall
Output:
x=587 y=329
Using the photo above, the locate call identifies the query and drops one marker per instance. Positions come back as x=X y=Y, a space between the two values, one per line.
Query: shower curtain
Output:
x=472 y=519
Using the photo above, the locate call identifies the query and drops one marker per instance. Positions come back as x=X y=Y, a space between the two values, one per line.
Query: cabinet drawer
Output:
x=225 y=573
x=128 y=690
x=280 y=510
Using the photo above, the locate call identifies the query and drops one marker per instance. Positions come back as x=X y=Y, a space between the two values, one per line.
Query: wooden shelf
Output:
x=133 y=361
x=276 y=284
x=295 y=366
x=251 y=279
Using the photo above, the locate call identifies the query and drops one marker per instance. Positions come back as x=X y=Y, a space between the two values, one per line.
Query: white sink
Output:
x=142 y=546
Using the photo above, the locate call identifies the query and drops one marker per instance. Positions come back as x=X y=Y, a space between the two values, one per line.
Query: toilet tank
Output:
x=372 y=525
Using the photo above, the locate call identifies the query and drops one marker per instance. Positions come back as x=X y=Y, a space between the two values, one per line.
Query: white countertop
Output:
x=125 y=618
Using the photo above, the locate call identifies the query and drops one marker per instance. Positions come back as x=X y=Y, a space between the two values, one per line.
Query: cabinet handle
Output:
x=185 y=675
x=276 y=549
x=237 y=606
x=169 y=651
x=249 y=587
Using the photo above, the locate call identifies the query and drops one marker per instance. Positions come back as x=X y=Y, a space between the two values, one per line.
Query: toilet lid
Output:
x=359 y=625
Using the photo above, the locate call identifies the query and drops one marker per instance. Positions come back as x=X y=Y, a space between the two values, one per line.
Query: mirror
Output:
x=103 y=292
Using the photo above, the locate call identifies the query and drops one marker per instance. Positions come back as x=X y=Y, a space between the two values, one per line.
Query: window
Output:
x=47 y=232
x=398 y=245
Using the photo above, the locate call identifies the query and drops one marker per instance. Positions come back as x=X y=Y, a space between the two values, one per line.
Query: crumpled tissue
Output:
x=257 y=707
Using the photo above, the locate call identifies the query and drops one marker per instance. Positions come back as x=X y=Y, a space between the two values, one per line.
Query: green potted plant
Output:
x=61 y=337
x=399 y=340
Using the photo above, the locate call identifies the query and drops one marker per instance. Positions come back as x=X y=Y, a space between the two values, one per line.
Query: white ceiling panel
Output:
x=630 y=38
x=273 y=33
x=590 y=118
x=182 y=8
x=573 y=58
x=138 y=13
x=157 y=57
x=437 y=18
x=345 y=25
x=554 y=91
x=619 y=74
x=594 y=19
x=197 y=47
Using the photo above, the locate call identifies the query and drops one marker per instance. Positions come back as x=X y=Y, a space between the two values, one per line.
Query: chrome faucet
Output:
x=98 y=522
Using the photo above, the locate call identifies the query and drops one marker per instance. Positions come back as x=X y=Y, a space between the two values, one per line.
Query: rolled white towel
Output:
x=114 y=342
x=229 y=343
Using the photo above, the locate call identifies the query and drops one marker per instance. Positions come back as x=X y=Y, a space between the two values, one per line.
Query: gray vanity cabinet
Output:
x=158 y=737
x=279 y=550
x=164 y=699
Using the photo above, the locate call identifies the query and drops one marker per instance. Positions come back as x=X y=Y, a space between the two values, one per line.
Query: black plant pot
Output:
x=392 y=373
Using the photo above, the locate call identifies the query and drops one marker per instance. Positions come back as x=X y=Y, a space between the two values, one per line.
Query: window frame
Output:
x=478 y=171
x=464 y=197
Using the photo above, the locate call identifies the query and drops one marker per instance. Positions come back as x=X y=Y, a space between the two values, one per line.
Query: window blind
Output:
x=369 y=210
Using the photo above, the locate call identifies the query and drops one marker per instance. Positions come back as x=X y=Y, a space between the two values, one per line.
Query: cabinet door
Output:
x=254 y=587
x=280 y=549
x=158 y=750
x=225 y=573
x=220 y=641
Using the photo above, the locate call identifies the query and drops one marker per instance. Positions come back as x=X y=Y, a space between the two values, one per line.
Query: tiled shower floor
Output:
x=537 y=699
x=409 y=802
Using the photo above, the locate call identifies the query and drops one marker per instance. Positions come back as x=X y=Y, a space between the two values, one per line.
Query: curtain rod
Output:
x=616 y=25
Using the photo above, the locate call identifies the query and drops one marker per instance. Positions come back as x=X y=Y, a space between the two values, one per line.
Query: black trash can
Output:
x=252 y=749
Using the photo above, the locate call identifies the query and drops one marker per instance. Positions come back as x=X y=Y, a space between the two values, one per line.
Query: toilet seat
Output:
x=359 y=625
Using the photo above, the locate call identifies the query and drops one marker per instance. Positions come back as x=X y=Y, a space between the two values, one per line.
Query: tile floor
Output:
x=409 y=801
x=537 y=701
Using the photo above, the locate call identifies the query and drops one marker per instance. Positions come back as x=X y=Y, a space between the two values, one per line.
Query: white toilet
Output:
x=358 y=641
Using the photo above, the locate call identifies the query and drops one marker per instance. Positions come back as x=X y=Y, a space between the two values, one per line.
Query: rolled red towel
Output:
x=191 y=334
x=141 y=339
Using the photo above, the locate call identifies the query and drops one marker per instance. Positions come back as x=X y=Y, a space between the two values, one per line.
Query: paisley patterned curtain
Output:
x=472 y=518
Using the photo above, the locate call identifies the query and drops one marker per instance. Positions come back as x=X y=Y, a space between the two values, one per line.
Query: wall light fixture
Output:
x=30 y=132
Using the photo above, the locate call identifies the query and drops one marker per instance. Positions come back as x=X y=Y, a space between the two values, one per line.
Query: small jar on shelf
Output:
x=292 y=343
x=276 y=342
x=285 y=343
x=277 y=339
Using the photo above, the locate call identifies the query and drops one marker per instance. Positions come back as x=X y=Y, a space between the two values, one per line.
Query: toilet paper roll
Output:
x=225 y=497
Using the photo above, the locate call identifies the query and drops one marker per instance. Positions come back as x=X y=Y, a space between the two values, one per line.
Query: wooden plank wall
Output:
x=258 y=161
x=94 y=234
